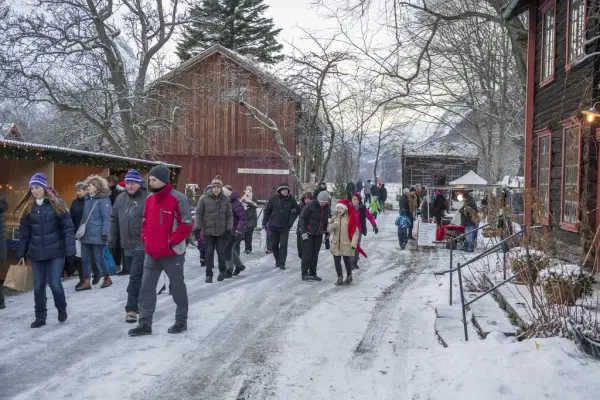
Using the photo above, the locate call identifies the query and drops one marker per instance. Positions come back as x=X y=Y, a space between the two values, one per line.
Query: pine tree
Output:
x=238 y=25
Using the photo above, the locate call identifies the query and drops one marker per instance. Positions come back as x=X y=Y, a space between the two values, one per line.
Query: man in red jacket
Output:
x=167 y=223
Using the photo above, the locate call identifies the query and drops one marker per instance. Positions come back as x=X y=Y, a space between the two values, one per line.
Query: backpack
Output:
x=402 y=222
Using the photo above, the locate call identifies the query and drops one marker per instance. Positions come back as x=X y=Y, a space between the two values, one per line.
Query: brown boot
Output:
x=106 y=282
x=83 y=285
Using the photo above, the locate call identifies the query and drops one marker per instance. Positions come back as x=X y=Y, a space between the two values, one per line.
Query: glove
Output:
x=196 y=232
x=305 y=236
x=104 y=238
x=375 y=229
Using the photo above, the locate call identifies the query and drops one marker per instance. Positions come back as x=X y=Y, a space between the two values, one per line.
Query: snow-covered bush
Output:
x=571 y=274
x=517 y=258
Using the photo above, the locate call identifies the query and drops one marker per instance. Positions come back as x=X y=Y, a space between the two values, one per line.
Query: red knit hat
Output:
x=357 y=195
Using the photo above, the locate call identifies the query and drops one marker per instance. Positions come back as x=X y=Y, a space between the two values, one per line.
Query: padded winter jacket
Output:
x=3 y=209
x=281 y=213
x=367 y=188
x=239 y=214
x=383 y=193
x=466 y=211
x=167 y=223
x=126 y=220
x=251 y=214
x=99 y=222
x=45 y=235
x=214 y=215
x=341 y=243
x=313 y=218
x=76 y=211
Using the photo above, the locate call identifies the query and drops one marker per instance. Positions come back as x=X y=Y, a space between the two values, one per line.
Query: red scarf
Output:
x=353 y=224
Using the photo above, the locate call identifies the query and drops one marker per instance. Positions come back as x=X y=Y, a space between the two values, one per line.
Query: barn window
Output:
x=570 y=177
x=543 y=177
x=576 y=30
x=548 y=41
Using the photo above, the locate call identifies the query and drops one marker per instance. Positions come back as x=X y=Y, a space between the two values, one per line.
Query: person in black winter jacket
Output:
x=280 y=213
x=439 y=206
x=3 y=209
x=76 y=212
x=350 y=189
x=383 y=194
x=311 y=226
x=47 y=237
x=304 y=200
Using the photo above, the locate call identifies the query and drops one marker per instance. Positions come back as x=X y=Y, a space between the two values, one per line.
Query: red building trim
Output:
x=568 y=226
x=529 y=108
x=546 y=132
x=543 y=9
x=569 y=63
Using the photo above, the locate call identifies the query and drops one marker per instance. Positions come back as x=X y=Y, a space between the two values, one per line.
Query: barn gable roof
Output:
x=9 y=130
x=237 y=58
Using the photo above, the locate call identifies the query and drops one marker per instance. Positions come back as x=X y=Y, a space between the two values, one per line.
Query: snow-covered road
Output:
x=267 y=335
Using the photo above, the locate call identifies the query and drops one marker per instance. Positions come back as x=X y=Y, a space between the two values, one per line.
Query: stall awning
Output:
x=470 y=179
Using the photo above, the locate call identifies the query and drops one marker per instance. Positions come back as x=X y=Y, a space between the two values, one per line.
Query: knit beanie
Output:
x=217 y=181
x=357 y=195
x=38 y=179
x=324 y=197
x=81 y=185
x=161 y=172
x=134 y=176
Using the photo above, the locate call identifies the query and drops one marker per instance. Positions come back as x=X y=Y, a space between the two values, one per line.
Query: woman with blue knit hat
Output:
x=47 y=238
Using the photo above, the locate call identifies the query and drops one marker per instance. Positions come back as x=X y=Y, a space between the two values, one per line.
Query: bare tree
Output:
x=90 y=58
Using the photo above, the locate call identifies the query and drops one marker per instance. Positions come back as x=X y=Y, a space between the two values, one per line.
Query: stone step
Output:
x=449 y=327
x=487 y=316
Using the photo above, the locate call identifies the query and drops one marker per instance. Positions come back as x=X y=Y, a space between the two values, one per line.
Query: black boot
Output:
x=38 y=323
x=62 y=316
x=306 y=278
x=96 y=279
x=228 y=274
x=221 y=276
x=208 y=279
x=2 y=304
x=178 y=327
x=238 y=270
x=141 y=330
x=340 y=281
x=315 y=278
x=282 y=267
x=348 y=280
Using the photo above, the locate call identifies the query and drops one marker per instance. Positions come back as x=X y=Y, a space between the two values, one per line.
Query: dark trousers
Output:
x=269 y=241
x=356 y=253
x=135 y=266
x=1 y=291
x=213 y=243
x=86 y=254
x=402 y=236
x=368 y=198
x=232 y=246
x=280 y=245
x=202 y=250
x=299 y=244
x=248 y=239
x=411 y=219
x=153 y=268
x=117 y=254
x=337 y=260
x=374 y=215
x=48 y=271
x=310 y=254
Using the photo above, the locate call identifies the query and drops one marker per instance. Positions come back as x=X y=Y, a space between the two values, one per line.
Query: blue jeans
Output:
x=86 y=255
x=50 y=271
x=471 y=235
x=382 y=204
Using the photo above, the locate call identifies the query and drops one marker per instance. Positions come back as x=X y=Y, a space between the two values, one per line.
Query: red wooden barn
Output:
x=212 y=133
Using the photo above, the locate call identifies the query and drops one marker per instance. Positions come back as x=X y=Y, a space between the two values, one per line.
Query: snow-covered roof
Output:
x=469 y=179
x=91 y=154
x=239 y=59
x=435 y=148
x=513 y=181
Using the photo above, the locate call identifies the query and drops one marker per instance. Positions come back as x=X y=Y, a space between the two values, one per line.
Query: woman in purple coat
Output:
x=237 y=233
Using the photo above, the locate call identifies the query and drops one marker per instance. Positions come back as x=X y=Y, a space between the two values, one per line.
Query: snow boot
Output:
x=228 y=274
x=141 y=330
x=96 y=279
x=83 y=285
x=131 y=317
x=238 y=270
x=247 y=251
x=306 y=278
x=348 y=280
x=106 y=282
x=221 y=276
x=38 y=323
x=315 y=278
x=178 y=328
x=282 y=267
x=340 y=281
x=2 y=305
x=62 y=316
x=208 y=279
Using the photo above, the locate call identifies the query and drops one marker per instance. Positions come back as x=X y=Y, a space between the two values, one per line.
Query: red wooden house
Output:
x=214 y=134
x=561 y=144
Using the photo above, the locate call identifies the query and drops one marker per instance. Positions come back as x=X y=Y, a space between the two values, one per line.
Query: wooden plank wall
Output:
x=569 y=93
x=419 y=169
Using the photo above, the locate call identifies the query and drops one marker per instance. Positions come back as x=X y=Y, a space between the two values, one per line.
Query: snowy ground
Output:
x=268 y=335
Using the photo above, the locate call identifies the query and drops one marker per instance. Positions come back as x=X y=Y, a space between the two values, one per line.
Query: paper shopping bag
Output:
x=19 y=277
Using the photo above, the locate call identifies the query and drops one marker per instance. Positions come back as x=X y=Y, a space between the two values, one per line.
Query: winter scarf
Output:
x=353 y=224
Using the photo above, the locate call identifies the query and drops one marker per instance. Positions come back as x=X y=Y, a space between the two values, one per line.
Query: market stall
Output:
x=63 y=168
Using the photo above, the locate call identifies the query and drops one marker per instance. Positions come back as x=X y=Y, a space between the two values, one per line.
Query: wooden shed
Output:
x=214 y=134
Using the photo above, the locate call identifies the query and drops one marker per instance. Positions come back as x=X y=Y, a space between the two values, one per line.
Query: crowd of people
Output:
x=150 y=228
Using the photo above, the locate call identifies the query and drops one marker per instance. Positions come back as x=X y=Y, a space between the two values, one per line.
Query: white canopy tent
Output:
x=470 y=179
